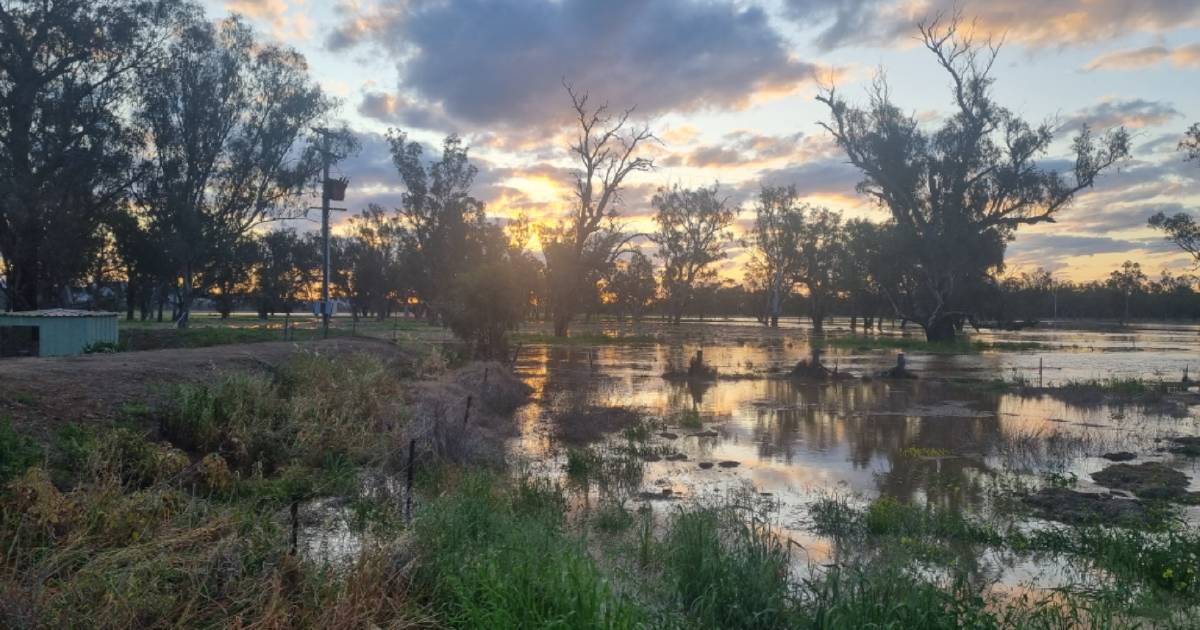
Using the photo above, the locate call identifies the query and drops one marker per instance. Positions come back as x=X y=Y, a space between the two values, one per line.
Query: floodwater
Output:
x=795 y=442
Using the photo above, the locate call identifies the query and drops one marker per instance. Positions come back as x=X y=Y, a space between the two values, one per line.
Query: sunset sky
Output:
x=728 y=87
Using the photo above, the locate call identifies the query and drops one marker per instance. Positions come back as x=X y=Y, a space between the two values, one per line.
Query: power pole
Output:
x=325 y=159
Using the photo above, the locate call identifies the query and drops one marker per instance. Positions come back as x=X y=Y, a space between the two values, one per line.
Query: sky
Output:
x=728 y=87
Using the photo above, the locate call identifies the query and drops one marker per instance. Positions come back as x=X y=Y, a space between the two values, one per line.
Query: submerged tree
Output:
x=777 y=218
x=693 y=227
x=580 y=248
x=958 y=194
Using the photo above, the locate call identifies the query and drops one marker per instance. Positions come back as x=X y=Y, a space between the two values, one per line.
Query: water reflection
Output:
x=910 y=440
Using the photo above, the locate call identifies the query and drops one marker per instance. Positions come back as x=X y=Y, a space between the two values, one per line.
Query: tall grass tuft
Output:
x=496 y=557
x=727 y=572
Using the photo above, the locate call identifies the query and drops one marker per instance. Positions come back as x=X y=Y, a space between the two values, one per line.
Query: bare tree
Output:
x=959 y=193
x=693 y=227
x=577 y=249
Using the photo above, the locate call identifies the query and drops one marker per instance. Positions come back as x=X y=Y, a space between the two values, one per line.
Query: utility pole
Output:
x=325 y=158
x=338 y=194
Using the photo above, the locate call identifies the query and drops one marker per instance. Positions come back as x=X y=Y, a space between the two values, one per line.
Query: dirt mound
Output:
x=42 y=393
x=463 y=417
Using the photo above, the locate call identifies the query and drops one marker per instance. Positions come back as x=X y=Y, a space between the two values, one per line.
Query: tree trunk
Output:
x=130 y=295
x=185 y=299
x=562 y=324
x=941 y=329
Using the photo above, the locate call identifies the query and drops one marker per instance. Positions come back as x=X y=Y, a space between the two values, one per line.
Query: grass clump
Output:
x=728 y=572
x=496 y=556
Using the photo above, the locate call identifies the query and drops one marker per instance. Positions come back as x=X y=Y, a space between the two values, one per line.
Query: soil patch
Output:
x=584 y=425
x=1084 y=508
x=1148 y=480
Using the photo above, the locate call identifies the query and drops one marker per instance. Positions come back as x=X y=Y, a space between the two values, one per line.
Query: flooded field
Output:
x=936 y=441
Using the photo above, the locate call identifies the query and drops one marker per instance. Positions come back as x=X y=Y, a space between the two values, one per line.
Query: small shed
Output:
x=54 y=332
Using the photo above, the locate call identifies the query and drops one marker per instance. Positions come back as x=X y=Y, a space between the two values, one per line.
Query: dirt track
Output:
x=39 y=394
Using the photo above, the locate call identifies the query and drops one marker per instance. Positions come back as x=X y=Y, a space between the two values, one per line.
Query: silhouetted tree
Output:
x=1127 y=281
x=226 y=117
x=959 y=193
x=66 y=67
x=818 y=260
x=632 y=286
x=777 y=218
x=378 y=249
x=287 y=267
x=579 y=249
x=693 y=227
x=438 y=212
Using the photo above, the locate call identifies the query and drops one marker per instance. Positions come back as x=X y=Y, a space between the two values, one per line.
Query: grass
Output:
x=728 y=572
x=583 y=339
x=916 y=344
x=497 y=557
x=206 y=330
x=189 y=532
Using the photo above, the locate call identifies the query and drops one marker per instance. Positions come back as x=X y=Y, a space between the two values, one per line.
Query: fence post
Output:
x=467 y=414
x=412 y=464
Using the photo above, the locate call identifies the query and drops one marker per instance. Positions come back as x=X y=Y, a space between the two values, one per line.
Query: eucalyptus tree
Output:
x=693 y=229
x=581 y=248
x=287 y=266
x=778 y=214
x=378 y=250
x=439 y=214
x=66 y=70
x=226 y=117
x=818 y=261
x=957 y=194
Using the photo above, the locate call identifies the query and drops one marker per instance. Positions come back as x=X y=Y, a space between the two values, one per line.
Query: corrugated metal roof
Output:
x=59 y=312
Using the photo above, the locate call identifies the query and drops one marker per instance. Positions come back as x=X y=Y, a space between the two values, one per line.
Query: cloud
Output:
x=1181 y=57
x=1133 y=113
x=1031 y=22
x=501 y=62
x=286 y=25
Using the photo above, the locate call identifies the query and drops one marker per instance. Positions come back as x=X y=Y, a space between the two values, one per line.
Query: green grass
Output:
x=728 y=572
x=1166 y=559
x=205 y=331
x=17 y=452
x=495 y=559
x=916 y=344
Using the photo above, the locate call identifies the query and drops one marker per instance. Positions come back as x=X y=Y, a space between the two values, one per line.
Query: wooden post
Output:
x=467 y=414
x=295 y=525
x=408 y=483
x=1039 y=372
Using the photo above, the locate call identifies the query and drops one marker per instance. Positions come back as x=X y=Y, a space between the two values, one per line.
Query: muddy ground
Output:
x=39 y=394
